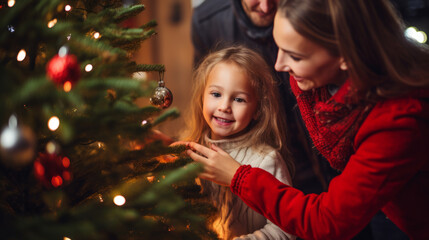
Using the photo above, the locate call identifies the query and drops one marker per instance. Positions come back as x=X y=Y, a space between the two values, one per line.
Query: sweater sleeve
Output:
x=274 y=164
x=390 y=147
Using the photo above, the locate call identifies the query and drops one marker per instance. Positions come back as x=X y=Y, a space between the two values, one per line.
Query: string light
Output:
x=21 y=55
x=150 y=178
x=52 y=23
x=415 y=34
x=88 y=68
x=67 y=86
x=96 y=35
x=67 y=8
x=51 y=147
x=144 y=122
x=53 y=123
x=119 y=200
x=11 y=3
x=66 y=238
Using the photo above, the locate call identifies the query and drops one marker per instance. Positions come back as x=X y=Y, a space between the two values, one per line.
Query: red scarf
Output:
x=332 y=121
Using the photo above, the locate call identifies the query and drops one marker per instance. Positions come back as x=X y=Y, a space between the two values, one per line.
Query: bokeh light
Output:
x=53 y=123
x=21 y=55
x=119 y=200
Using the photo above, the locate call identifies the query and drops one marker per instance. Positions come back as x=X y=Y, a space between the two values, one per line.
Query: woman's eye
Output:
x=295 y=58
x=215 y=94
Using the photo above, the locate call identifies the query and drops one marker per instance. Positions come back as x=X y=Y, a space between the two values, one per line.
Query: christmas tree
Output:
x=79 y=159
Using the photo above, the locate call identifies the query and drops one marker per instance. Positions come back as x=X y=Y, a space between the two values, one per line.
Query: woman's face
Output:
x=311 y=65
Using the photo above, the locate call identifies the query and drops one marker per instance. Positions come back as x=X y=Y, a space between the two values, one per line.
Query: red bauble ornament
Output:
x=63 y=69
x=52 y=170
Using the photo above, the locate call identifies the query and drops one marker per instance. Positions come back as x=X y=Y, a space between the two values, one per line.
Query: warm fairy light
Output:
x=10 y=3
x=51 y=147
x=88 y=68
x=150 y=178
x=67 y=86
x=119 y=200
x=96 y=35
x=144 y=122
x=415 y=34
x=69 y=36
x=53 y=123
x=21 y=55
x=67 y=8
x=66 y=238
x=52 y=23
x=100 y=198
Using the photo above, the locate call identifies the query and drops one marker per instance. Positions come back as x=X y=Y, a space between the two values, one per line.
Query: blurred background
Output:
x=172 y=45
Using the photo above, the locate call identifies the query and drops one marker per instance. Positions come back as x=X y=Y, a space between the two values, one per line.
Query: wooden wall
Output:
x=171 y=47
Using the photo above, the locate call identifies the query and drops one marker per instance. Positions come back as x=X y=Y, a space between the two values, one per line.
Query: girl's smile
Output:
x=229 y=102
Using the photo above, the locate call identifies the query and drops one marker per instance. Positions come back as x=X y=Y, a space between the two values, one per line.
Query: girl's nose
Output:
x=224 y=106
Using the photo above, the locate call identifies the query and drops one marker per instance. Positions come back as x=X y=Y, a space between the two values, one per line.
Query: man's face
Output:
x=260 y=12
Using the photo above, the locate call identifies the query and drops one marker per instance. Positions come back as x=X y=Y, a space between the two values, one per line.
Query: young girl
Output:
x=362 y=88
x=235 y=108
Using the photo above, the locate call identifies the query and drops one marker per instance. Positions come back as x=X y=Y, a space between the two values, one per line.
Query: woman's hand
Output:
x=219 y=167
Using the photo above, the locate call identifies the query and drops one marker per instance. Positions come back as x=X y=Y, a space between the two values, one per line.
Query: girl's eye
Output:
x=215 y=94
x=297 y=59
x=240 y=100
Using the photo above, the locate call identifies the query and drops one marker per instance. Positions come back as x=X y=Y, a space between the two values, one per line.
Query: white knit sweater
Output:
x=235 y=220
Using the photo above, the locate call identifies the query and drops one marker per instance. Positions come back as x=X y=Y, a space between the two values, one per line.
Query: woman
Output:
x=362 y=89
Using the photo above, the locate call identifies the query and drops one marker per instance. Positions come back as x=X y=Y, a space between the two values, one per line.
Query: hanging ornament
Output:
x=52 y=170
x=17 y=143
x=63 y=68
x=162 y=96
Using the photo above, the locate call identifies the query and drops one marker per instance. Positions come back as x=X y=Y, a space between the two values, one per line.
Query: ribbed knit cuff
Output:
x=239 y=175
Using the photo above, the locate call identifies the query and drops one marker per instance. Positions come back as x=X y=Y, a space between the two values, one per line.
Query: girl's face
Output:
x=229 y=102
x=311 y=65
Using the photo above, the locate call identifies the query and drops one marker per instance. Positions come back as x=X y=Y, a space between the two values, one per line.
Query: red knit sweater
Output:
x=389 y=170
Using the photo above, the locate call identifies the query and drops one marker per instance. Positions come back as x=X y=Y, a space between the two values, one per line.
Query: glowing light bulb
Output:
x=144 y=122
x=52 y=23
x=21 y=55
x=88 y=68
x=415 y=34
x=67 y=8
x=53 y=123
x=51 y=147
x=67 y=86
x=150 y=178
x=10 y=3
x=63 y=51
x=119 y=200
x=96 y=35
x=66 y=238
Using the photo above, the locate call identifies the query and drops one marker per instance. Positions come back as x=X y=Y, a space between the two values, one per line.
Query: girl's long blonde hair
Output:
x=269 y=125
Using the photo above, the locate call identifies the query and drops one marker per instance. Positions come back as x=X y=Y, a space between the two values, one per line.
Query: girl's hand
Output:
x=219 y=167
